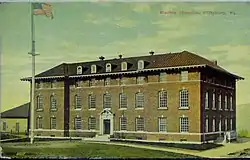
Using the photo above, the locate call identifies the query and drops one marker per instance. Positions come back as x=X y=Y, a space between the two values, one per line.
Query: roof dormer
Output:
x=124 y=66
x=140 y=65
x=93 y=68
x=79 y=70
x=108 y=67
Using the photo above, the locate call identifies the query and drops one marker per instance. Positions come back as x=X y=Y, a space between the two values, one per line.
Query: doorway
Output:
x=106 y=126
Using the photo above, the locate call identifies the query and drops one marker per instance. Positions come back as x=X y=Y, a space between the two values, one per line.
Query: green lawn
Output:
x=81 y=149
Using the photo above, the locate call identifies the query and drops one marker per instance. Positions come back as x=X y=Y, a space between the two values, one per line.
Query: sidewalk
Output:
x=212 y=153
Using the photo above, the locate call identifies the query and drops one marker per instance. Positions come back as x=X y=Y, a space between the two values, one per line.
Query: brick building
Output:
x=166 y=97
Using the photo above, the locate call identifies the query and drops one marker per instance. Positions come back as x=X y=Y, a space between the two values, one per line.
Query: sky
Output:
x=83 y=31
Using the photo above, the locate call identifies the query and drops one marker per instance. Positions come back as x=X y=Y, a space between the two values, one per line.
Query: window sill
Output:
x=39 y=110
x=214 y=109
x=226 y=109
x=139 y=108
x=220 y=109
x=184 y=132
x=140 y=131
x=122 y=108
x=231 y=110
x=183 y=108
x=53 y=110
x=52 y=129
x=92 y=109
x=163 y=108
x=77 y=109
x=206 y=108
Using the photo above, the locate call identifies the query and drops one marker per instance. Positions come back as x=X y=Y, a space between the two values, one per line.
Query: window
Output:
x=225 y=124
x=184 y=75
x=225 y=103
x=139 y=122
x=39 y=124
x=92 y=100
x=141 y=80
x=108 y=67
x=78 y=102
x=92 y=123
x=184 y=101
x=231 y=124
x=231 y=103
x=52 y=102
x=78 y=123
x=107 y=100
x=207 y=125
x=162 y=124
x=220 y=126
x=39 y=102
x=53 y=123
x=214 y=125
x=93 y=68
x=213 y=102
x=123 y=100
x=53 y=84
x=92 y=82
x=207 y=100
x=184 y=127
x=220 y=102
x=162 y=95
x=79 y=70
x=139 y=100
x=163 y=77
x=124 y=66
x=17 y=127
x=107 y=81
x=140 y=64
x=4 y=126
x=123 y=124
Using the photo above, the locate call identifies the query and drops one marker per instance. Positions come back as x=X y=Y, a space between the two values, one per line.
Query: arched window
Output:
x=52 y=102
x=124 y=66
x=107 y=100
x=139 y=100
x=78 y=102
x=184 y=101
x=39 y=100
x=79 y=70
x=108 y=67
x=93 y=68
x=162 y=99
x=140 y=64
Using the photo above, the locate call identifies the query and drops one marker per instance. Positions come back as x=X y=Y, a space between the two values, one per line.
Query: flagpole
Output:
x=33 y=54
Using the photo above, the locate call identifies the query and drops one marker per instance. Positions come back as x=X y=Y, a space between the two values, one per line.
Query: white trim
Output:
x=162 y=108
x=139 y=108
x=58 y=130
x=137 y=140
x=91 y=109
x=169 y=133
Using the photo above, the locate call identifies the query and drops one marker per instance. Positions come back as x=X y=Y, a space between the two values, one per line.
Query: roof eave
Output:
x=228 y=73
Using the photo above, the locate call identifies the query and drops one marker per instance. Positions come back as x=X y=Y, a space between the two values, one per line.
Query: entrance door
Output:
x=106 y=126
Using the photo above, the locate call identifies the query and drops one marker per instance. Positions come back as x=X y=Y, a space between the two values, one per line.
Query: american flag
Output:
x=42 y=9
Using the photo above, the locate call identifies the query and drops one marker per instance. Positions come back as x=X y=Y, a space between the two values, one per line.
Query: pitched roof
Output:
x=21 y=111
x=180 y=59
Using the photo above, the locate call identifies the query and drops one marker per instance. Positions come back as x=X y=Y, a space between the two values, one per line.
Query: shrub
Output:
x=244 y=133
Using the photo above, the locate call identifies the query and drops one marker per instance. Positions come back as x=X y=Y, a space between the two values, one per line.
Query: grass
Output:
x=81 y=149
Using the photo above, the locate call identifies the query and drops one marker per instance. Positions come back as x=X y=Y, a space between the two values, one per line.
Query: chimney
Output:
x=215 y=62
x=120 y=56
x=151 y=52
x=101 y=58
